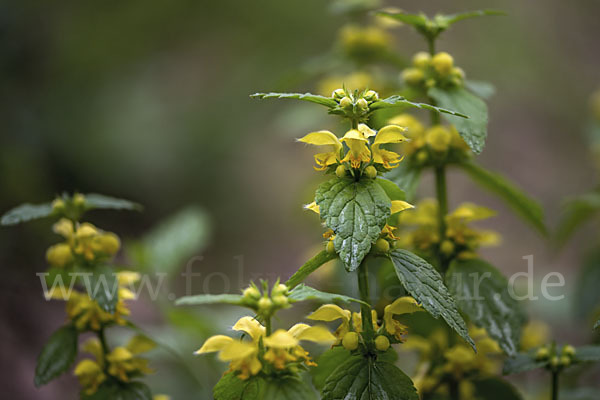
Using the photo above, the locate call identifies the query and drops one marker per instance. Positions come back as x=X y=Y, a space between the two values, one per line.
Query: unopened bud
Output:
x=382 y=343
x=78 y=199
x=412 y=76
x=421 y=59
x=58 y=204
x=371 y=172
x=340 y=171
x=447 y=247
x=362 y=104
x=107 y=243
x=265 y=304
x=346 y=102
x=280 y=300
x=279 y=289
x=554 y=362
x=443 y=63
x=382 y=245
x=542 y=353
x=565 y=361
x=251 y=292
x=350 y=341
x=338 y=93
x=59 y=255
x=371 y=95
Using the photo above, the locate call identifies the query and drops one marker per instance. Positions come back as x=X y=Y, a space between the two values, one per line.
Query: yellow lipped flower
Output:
x=59 y=255
x=330 y=143
x=83 y=240
x=402 y=305
x=90 y=375
x=358 y=148
x=400 y=205
x=386 y=135
x=332 y=312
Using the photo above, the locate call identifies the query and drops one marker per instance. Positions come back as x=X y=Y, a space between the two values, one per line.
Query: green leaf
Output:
x=356 y=211
x=26 y=212
x=309 y=267
x=313 y=98
x=230 y=387
x=100 y=201
x=120 y=391
x=288 y=388
x=587 y=353
x=454 y=18
x=103 y=287
x=406 y=176
x=397 y=101
x=586 y=287
x=495 y=389
x=472 y=130
x=485 y=90
x=303 y=292
x=391 y=189
x=233 y=299
x=368 y=379
x=577 y=211
x=426 y=285
x=522 y=362
x=522 y=204
x=57 y=356
x=482 y=294
x=327 y=363
x=579 y=393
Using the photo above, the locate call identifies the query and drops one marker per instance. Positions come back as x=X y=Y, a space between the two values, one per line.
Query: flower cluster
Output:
x=555 y=359
x=433 y=71
x=460 y=240
x=266 y=304
x=364 y=44
x=276 y=353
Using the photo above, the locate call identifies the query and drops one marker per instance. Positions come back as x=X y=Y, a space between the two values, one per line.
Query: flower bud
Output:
x=421 y=59
x=438 y=138
x=554 y=362
x=86 y=230
x=382 y=245
x=443 y=63
x=78 y=199
x=280 y=301
x=338 y=93
x=568 y=350
x=264 y=304
x=350 y=341
x=412 y=76
x=429 y=83
x=59 y=255
x=279 y=289
x=382 y=343
x=371 y=172
x=340 y=171
x=447 y=247
x=107 y=243
x=422 y=156
x=371 y=95
x=542 y=353
x=330 y=247
x=58 y=204
x=346 y=102
x=362 y=105
x=564 y=361
x=458 y=72
x=251 y=292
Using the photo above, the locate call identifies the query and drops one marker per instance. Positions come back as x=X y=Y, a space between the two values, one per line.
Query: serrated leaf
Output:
x=327 y=363
x=303 y=293
x=406 y=176
x=356 y=211
x=495 y=389
x=587 y=353
x=485 y=90
x=120 y=391
x=397 y=101
x=313 y=98
x=230 y=387
x=26 y=212
x=57 y=356
x=522 y=362
x=103 y=287
x=233 y=299
x=576 y=211
x=391 y=189
x=426 y=285
x=474 y=129
x=481 y=292
x=288 y=388
x=99 y=201
x=368 y=379
x=523 y=205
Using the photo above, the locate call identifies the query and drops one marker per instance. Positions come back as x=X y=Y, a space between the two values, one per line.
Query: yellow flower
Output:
x=359 y=151
x=90 y=375
x=86 y=240
x=535 y=334
x=402 y=305
x=400 y=205
x=357 y=321
x=330 y=142
x=438 y=138
x=388 y=134
x=332 y=312
x=59 y=255
x=278 y=349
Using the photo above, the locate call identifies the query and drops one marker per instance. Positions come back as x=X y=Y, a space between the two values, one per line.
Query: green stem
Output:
x=309 y=267
x=354 y=123
x=554 y=385
x=431 y=45
x=268 y=325
x=105 y=349
x=363 y=288
x=442 y=197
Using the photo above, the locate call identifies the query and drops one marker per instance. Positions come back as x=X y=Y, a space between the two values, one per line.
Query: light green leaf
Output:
x=474 y=129
x=313 y=98
x=587 y=353
x=576 y=211
x=288 y=388
x=495 y=389
x=397 y=101
x=230 y=387
x=368 y=379
x=356 y=211
x=95 y=200
x=481 y=292
x=201 y=299
x=522 y=362
x=426 y=285
x=303 y=293
x=391 y=189
x=26 y=212
x=406 y=176
x=327 y=363
x=309 y=267
x=485 y=90
x=522 y=204
x=57 y=356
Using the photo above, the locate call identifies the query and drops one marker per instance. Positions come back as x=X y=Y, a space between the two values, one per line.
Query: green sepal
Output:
x=57 y=356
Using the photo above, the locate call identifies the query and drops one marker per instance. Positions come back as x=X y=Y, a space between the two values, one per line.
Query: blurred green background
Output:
x=148 y=100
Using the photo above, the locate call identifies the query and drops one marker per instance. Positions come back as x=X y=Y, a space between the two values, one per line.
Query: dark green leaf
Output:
x=522 y=362
x=367 y=379
x=94 y=201
x=474 y=129
x=230 y=387
x=406 y=176
x=356 y=211
x=481 y=292
x=26 y=212
x=120 y=391
x=586 y=287
x=313 y=98
x=303 y=292
x=579 y=393
x=327 y=363
x=309 y=267
x=397 y=101
x=57 y=356
x=391 y=189
x=103 y=287
x=522 y=204
x=234 y=299
x=577 y=211
x=587 y=353
x=485 y=90
x=289 y=388
x=425 y=284
x=496 y=389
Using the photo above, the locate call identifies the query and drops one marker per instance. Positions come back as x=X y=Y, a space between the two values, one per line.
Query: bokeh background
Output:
x=149 y=101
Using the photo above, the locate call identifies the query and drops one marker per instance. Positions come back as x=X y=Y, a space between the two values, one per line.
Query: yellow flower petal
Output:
x=399 y=205
x=312 y=207
x=237 y=350
x=330 y=312
x=127 y=277
x=281 y=339
x=324 y=138
x=119 y=354
x=251 y=326
x=359 y=151
x=317 y=334
x=297 y=329
x=366 y=131
x=87 y=367
x=390 y=134
x=403 y=305
x=64 y=227
x=215 y=343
